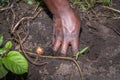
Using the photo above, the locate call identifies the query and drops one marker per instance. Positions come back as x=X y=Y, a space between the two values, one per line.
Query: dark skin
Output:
x=66 y=26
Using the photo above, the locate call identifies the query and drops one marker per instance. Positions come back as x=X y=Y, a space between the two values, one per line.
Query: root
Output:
x=20 y=42
x=17 y=37
x=6 y=8
x=113 y=9
x=24 y=18
x=66 y=58
x=61 y=58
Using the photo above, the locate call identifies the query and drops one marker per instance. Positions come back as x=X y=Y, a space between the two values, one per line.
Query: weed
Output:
x=81 y=52
x=89 y=4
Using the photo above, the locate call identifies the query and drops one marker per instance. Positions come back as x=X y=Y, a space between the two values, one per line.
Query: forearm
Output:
x=58 y=7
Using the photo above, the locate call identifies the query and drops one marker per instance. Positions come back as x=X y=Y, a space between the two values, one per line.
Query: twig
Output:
x=21 y=41
x=14 y=16
x=63 y=58
x=116 y=17
x=113 y=9
x=66 y=58
x=24 y=18
x=6 y=8
x=33 y=62
x=116 y=31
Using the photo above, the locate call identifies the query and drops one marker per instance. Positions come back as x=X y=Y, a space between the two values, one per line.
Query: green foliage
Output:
x=3 y=3
x=88 y=4
x=79 y=3
x=2 y=51
x=1 y=40
x=11 y=60
x=106 y=2
x=8 y=45
x=3 y=70
x=15 y=62
x=81 y=52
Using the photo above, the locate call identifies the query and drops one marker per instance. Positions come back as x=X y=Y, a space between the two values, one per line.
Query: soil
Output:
x=99 y=30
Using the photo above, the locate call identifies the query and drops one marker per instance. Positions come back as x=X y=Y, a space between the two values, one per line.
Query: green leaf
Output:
x=8 y=45
x=15 y=62
x=80 y=4
x=2 y=50
x=81 y=52
x=3 y=71
x=1 y=39
x=106 y=2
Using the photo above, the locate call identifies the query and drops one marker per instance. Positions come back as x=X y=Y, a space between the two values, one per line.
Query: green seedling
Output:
x=81 y=52
x=106 y=2
x=79 y=3
x=1 y=40
x=89 y=4
x=11 y=60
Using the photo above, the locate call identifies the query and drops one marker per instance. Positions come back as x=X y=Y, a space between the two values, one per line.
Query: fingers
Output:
x=64 y=47
x=63 y=44
x=57 y=44
x=75 y=46
x=57 y=31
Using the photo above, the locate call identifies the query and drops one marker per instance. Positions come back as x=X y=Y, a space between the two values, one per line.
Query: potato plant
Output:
x=11 y=60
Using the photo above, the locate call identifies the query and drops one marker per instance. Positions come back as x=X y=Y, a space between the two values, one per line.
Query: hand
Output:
x=66 y=32
x=66 y=26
